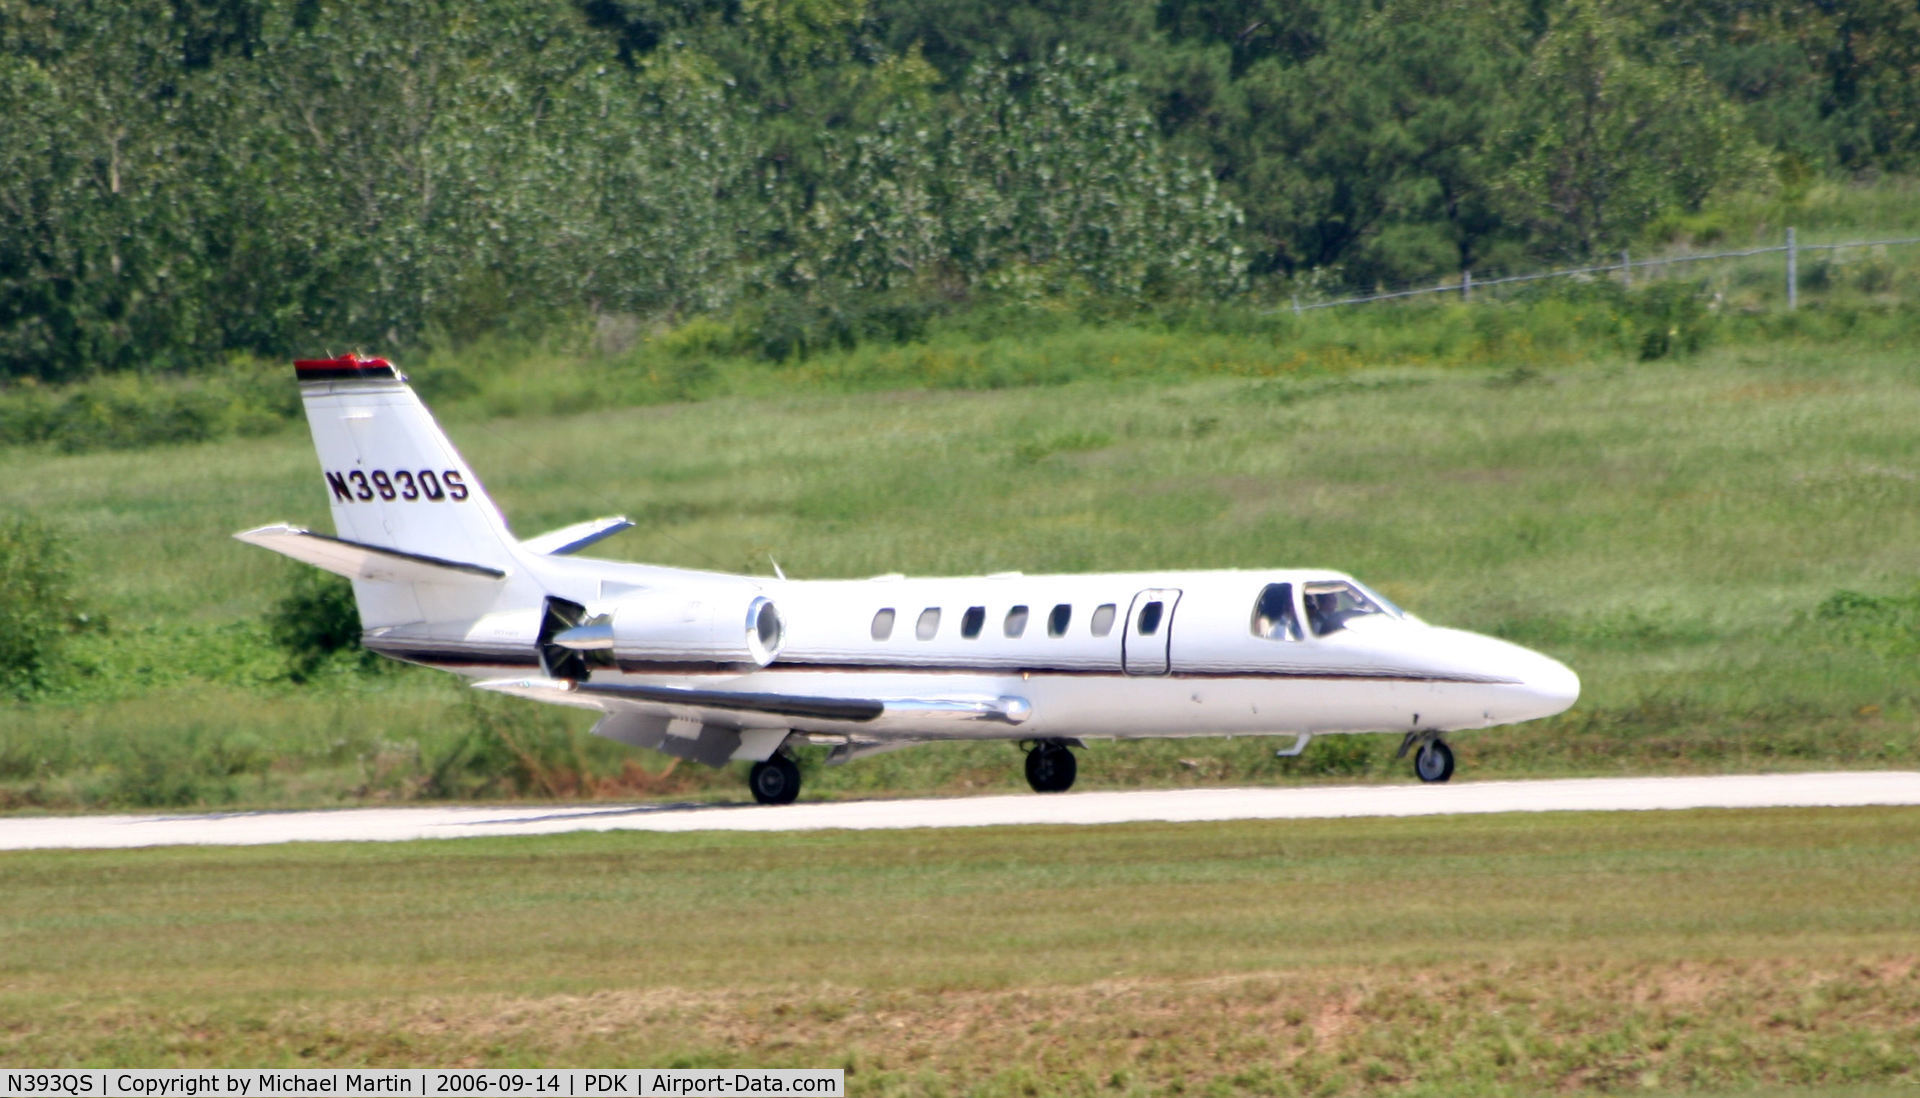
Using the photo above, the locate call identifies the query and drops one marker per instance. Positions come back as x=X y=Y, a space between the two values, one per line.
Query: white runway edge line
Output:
x=1183 y=805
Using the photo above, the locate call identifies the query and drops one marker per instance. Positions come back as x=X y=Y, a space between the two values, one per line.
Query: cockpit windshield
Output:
x=1332 y=604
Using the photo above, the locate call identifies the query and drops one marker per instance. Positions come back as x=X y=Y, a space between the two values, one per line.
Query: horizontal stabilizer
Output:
x=572 y=539
x=356 y=560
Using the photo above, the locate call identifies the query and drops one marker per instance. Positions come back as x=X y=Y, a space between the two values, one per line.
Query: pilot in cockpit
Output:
x=1323 y=612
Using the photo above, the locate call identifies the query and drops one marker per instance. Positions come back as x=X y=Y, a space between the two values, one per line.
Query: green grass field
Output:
x=1676 y=531
x=1568 y=953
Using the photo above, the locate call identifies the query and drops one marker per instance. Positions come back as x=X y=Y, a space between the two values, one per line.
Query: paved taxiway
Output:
x=1287 y=803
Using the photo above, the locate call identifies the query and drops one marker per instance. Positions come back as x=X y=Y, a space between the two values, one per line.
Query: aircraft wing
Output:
x=739 y=708
x=715 y=726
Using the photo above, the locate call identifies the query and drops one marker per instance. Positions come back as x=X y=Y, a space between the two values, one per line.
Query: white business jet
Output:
x=715 y=667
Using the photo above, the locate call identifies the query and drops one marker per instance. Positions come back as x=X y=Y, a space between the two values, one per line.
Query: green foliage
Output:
x=1606 y=142
x=1825 y=85
x=1391 y=132
x=205 y=764
x=128 y=411
x=854 y=342
x=36 y=605
x=104 y=204
x=1886 y=625
x=1036 y=180
x=185 y=179
x=344 y=181
x=513 y=750
x=316 y=622
x=1675 y=319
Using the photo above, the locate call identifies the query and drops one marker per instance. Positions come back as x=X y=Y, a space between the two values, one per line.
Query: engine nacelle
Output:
x=729 y=625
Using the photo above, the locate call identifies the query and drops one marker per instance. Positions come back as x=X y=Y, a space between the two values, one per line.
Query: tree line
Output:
x=182 y=179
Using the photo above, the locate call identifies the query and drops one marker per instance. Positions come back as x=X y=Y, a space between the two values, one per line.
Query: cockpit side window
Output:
x=1332 y=604
x=1273 y=613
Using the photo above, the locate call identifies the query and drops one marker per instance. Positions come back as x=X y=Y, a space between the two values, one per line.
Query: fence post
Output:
x=1296 y=304
x=1793 y=271
x=1466 y=283
x=1626 y=271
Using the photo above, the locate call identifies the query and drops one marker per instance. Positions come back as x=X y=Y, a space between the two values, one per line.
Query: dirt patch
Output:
x=1781 y=390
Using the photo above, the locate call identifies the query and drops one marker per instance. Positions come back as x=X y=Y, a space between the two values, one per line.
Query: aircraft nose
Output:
x=1551 y=686
x=1531 y=685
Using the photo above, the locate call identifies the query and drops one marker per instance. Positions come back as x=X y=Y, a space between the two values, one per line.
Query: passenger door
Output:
x=1146 y=647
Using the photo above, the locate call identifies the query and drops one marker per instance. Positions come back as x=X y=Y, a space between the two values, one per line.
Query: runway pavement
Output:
x=1285 y=803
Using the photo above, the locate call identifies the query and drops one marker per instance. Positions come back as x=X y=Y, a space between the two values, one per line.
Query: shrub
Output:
x=192 y=766
x=314 y=620
x=36 y=606
x=245 y=396
x=1887 y=625
x=1674 y=319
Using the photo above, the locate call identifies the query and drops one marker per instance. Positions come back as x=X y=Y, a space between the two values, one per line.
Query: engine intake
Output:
x=717 y=627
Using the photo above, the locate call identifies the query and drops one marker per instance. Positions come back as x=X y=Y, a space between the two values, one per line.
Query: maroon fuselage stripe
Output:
x=442 y=657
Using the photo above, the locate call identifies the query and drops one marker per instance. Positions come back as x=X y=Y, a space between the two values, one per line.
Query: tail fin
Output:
x=393 y=478
x=436 y=575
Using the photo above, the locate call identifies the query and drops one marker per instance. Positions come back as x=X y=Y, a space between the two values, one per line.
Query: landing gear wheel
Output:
x=1051 y=768
x=1433 y=762
x=776 y=781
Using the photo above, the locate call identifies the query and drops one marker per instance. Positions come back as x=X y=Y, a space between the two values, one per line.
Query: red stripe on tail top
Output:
x=346 y=367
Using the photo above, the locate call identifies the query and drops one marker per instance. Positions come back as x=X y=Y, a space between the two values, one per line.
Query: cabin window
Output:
x=970 y=623
x=883 y=624
x=1273 y=613
x=929 y=623
x=1103 y=619
x=1016 y=621
x=1150 y=616
x=1058 y=621
x=1332 y=605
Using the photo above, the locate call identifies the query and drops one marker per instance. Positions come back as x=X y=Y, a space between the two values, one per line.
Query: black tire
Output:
x=1433 y=762
x=1051 y=768
x=776 y=781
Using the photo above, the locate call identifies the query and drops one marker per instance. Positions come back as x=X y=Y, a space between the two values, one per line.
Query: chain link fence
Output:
x=1625 y=269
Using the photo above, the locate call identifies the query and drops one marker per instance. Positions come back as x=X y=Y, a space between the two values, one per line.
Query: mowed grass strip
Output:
x=1574 y=952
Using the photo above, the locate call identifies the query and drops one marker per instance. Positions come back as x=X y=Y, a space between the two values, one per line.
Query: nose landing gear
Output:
x=1433 y=761
x=1051 y=767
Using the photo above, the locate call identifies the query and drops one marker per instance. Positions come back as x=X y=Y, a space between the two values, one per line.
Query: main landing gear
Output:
x=1051 y=767
x=776 y=781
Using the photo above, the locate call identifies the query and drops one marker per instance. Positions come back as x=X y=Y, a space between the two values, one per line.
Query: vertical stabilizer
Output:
x=392 y=477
